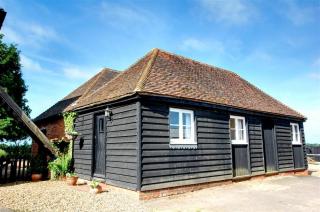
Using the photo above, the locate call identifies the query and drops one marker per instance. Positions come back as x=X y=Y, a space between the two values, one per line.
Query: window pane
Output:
x=174 y=118
x=241 y=135
x=101 y=125
x=240 y=124
x=186 y=119
x=174 y=131
x=296 y=128
x=233 y=134
x=174 y=124
x=232 y=123
x=186 y=132
x=296 y=137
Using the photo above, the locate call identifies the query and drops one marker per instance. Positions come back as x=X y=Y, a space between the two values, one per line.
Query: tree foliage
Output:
x=11 y=80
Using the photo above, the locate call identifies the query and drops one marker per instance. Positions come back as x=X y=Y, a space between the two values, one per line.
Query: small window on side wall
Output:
x=238 y=132
x=181 y=126
x=295 y=133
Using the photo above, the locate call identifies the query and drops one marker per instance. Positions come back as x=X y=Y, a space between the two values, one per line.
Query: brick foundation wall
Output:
x=147 y=195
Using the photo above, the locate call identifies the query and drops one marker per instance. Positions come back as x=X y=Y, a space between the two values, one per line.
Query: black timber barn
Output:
x=169 y=121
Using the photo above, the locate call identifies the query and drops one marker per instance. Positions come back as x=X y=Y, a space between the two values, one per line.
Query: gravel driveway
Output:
x=291 y=193
x=57 y=196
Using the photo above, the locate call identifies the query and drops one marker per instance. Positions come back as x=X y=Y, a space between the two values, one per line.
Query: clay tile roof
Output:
x=86 y=88
x=165 y=74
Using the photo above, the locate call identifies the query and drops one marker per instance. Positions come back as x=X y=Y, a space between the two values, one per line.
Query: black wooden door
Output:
x=99 y=162
x=270 y=150
x=298 y=156
x=240 y=160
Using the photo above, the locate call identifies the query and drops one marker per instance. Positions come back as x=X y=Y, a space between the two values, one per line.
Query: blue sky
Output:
x=273 y=44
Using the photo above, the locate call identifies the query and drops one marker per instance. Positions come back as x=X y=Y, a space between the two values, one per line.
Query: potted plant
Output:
x=72 y=178
x=37 y=168
x=95 y=187
x=60 y=167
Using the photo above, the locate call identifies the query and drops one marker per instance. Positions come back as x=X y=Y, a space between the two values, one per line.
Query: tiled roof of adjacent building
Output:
x=86 y=88
x=162 y=73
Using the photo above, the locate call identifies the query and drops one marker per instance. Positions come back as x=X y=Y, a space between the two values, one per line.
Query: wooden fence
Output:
x=313 y=152
x=14 y=169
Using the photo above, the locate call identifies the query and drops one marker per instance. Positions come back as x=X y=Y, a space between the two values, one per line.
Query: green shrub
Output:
x=60 y=166
x=13 y=151
x=3 y=153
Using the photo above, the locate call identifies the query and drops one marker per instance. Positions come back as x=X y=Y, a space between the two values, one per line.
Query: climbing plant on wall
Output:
x=69 y=118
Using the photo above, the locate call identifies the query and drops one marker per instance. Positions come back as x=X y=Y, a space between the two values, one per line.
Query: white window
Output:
x=181 y=126
x=238 y=133
x=295 y=133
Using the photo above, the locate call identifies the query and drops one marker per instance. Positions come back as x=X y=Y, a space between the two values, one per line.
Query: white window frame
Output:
x=238 y=141
x=180 y=140
x=294 y=141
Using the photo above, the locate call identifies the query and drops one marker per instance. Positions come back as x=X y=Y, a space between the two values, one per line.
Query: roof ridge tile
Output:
x=146 y=71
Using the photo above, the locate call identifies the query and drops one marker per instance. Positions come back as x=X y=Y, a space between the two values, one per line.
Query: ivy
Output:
x=69 y=118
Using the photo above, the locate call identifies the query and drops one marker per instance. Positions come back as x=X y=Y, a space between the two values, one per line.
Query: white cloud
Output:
x=314 y=75
x=297 y=14
x=202 y=45
x=29 y=33
x=30 y=65
x=234 y=12
x=76 y=73
x=41 y=32
x=11 y=35
x=258 y=56
x=193 y=44
x=316 y=62
x=124 y=16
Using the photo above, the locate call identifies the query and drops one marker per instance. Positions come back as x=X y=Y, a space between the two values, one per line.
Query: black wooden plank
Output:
x=120 y=177
x=121 y=152
x=130 y=159
x=123 y=165
x=189 y=170
x=131 y=126
x=124 y=133
x=173 y=165
x=165 y=146
x=125 y=121
x=168 y=153
x=184 y=158
x=120 y=171
x=171 y=178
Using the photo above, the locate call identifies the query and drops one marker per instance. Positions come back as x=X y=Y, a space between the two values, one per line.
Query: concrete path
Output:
x=290 y=193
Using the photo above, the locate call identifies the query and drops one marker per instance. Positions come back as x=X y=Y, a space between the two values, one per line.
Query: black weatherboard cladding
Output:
x=284 y=145
x=303 y=145
x=164 y=167
x=256 y=145
x=161 y=167
x=82 y=152
x=121 y=143
x=121 y=146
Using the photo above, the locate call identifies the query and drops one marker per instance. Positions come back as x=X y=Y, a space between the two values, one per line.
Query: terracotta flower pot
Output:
x=96 y=190
x=36 y=177
x=72 y=180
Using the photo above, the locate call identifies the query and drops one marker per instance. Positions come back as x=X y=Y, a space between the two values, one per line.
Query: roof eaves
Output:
x=301 y=117
x=104 y=101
